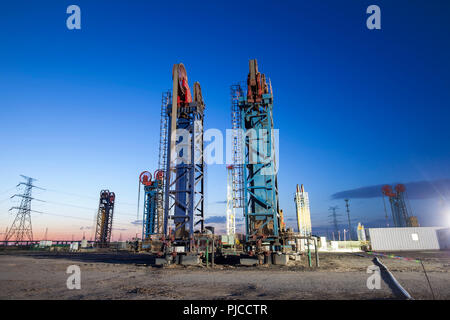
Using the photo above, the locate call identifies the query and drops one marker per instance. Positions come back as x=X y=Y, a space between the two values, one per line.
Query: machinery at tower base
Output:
x=105 y=215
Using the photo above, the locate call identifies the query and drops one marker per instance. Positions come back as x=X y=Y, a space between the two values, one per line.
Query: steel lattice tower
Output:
x=350 y=230
x=231 y=211
x=400 y=214
x=260 y=186
x=162 y=163
x=104 y=218
x=334 y=216
x=184 y=189
x=237 y=148
x=21 y=229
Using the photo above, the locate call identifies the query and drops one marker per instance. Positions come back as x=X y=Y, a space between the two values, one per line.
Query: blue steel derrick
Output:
x=261 y=209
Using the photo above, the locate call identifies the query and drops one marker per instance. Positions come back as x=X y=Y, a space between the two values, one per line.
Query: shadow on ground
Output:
x=91 y=257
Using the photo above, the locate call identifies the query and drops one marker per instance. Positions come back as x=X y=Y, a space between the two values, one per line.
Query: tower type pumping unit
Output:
x=173 y=221
x=185 y=169
x=252 y=114
x=400 y=213
x=153 y=211
x=105 y=215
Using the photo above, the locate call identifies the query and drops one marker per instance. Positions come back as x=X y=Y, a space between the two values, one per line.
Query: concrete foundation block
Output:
x=295 y=257
x=280 y=259
x=249 y=261
x=161 y=261
x=189 y=260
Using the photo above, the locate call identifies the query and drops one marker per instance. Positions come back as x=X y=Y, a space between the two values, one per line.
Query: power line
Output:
x=69 y=205
x=7 y=190
x=81 y=207
x=71 y=194
x=26 y=198
x=70 y=217
x=4 y=200
x=88 y=197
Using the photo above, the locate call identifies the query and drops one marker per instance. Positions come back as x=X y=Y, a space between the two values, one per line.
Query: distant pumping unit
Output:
x=153 y=211
x=400 y=213
x=105 y=215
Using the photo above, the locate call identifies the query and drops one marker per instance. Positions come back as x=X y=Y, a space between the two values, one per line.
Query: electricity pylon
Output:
x=334 y=216
x=350 y=230
x=21 y=228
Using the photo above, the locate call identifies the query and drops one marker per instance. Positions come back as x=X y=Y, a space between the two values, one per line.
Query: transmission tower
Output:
x=334 y=216
x=350 y=230
x=21 y=228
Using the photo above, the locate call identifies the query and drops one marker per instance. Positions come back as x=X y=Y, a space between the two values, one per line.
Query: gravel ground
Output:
x=42 y=275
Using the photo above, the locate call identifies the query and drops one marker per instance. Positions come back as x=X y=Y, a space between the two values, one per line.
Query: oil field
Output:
x=182 y=252
x=282 y=176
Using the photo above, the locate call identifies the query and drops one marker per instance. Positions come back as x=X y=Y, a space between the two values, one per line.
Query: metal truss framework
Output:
x=400 y=214
x=184 y=176
x=105 y=215
x=21 y=228
x=237 y=147
x=260 y=179
x=166 y=103
x=153 y=218
x=231 y=209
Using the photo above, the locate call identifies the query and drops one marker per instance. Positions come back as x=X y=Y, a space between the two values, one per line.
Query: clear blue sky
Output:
x=79 y=109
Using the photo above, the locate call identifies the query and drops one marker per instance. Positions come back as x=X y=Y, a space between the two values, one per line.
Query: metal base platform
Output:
x=249 y=261
x=189 y=260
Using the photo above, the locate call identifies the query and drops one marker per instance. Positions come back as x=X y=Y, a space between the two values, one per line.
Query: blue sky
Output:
x=79 y=109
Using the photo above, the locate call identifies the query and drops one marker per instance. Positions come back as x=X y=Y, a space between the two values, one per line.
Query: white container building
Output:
x=405 y=239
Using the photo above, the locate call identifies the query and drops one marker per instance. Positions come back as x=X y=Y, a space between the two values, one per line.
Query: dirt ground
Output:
x=42 y=275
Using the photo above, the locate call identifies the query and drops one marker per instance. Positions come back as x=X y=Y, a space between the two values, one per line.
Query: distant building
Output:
x=408 y=238
x=303 y=212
